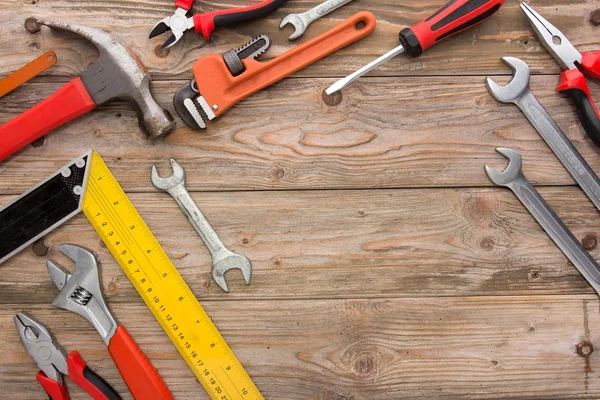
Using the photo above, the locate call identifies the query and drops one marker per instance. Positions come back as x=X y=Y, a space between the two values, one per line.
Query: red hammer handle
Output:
x=68 y=103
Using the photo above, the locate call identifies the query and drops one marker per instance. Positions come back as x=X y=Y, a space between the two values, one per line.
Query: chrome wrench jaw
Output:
x=80 y=292
x=514 y=179
x=223 y=259
x=517 y=86
x=303 y=20
x=519 y=93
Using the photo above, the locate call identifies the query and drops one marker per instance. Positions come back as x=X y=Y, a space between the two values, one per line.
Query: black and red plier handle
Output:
x=83 y=376
x=573 y=83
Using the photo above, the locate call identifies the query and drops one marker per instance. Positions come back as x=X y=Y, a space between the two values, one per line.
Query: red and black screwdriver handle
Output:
x=455 y=16
x=208 y=22
x=84 y=377
x=573 y=84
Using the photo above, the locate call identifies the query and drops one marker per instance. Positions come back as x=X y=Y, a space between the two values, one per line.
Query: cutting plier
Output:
x=572 y=80
x=54 y=363
x=205 y=23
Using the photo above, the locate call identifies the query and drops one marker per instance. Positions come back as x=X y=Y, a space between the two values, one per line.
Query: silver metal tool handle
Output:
x=557 y=230
x=561 y=146
x=325 y=8
x=197 y=219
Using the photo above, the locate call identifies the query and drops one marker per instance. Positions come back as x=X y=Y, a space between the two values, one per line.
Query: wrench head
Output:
x=231 y=261
x=176 y=179
x=519 y=84
x=298 y=23
x=512 y=172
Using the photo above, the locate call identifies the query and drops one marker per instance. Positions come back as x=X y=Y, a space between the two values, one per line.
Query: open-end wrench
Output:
x=222 y=258
x=303 y=20
x=513 y=178
x=519 y=93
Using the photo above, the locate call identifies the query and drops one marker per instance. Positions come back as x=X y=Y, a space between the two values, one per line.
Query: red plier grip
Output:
x=573 y=83
x=141 y=378
x=185 y=4
x=207 y=22
x=83 y=376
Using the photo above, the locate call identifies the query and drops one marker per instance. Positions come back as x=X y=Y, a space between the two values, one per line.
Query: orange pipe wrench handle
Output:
x=222 y=90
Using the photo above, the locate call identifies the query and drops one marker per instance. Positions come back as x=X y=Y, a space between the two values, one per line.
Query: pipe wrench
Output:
x=222 y=80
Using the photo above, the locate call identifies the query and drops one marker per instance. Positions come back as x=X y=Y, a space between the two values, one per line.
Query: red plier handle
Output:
x=574 y=84
x=207 y=22
x=83 y=376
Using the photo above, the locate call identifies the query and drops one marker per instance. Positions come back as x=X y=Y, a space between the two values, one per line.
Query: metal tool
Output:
x=118 y=73
x=575 y=64
x=513 y=178
x=219 y=83
x=27 y=72
x=186 y=97
x=53 y=363
x=455 y=16
x=222 y=258
x=205 y=23
x=519 y=93
x=303 y=20
x=80 y=292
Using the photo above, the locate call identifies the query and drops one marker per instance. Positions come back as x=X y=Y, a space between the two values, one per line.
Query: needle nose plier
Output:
x=572 y=80
x=53 y=363
x=205 y=23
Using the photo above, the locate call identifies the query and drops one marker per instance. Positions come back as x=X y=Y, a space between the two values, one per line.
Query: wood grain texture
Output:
x=434 y=348
x=385 y=133
x=386 y=265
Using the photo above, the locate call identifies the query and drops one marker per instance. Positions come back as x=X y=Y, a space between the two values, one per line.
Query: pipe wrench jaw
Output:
x=191 y=106
x=80 y=292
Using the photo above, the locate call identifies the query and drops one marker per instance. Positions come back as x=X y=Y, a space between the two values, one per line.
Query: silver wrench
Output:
x=519 y=93
x=222 y=258
x=513 y=178
x=303 y=20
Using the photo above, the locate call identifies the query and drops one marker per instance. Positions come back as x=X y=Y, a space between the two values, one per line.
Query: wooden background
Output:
x=386 y=264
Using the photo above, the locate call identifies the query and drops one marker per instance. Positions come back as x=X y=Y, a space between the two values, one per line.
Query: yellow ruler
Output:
x=162 y=288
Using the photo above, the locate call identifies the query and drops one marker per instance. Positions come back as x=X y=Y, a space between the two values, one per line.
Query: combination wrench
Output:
x=303 y=20
x=519 y=93
x=223 y=259
x=512 y=177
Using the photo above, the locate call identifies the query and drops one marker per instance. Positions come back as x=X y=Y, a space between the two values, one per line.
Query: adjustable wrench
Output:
x=303 y=20
x=513 y=178
x=519 y=93
x=222 y=258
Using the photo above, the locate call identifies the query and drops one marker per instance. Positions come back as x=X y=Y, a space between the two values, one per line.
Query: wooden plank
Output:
x=434 y=348
x=474 y=52
x=385 y=133
x=343 y=244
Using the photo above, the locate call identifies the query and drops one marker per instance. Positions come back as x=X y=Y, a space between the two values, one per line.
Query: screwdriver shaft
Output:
x=342 y=83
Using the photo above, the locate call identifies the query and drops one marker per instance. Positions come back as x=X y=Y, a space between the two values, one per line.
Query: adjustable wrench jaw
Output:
x=517 y=87
x=80 y=292
x=511 y=174
x=41 y=346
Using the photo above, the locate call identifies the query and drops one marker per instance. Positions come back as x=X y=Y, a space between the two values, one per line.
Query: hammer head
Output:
x=118 y=73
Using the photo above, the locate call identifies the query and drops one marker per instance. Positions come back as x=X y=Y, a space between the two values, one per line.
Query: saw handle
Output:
x=455 y=16
x=88 y=380
x=573 y=83
x=221 y=89
x=141 y=377
x=208 y=22
x=66 y=104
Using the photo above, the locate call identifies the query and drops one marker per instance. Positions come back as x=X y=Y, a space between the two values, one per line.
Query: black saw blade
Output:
x=43 y=208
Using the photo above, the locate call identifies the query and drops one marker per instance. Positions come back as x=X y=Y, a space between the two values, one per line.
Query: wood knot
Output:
x=487 y=243
x=526 y=42
x=585 y=348
x=534 y=275
x=590 y=242
x=332 y=99
x=245 y=241
x=277 y=173
x=32 y=25
x=161 y=53
x=595 y=17
x=40 y=248
x=365 y=363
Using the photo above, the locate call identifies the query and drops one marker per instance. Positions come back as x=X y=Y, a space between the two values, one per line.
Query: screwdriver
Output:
x=455 y=16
